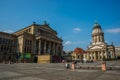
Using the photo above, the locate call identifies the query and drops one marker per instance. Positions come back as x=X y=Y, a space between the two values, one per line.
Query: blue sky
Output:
x=72 y=19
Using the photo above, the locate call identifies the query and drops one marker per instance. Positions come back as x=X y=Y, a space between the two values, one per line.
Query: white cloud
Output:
x=77 y=29
x=73 y=43
x=67 y=43
x=9 y=31
x=116 y=30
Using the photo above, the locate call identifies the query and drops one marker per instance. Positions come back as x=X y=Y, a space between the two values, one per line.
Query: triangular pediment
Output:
x=96 y=47
x=47 y=27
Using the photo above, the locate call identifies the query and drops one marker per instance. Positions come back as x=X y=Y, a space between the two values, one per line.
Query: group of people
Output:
x=6 y=60
x=67 y=65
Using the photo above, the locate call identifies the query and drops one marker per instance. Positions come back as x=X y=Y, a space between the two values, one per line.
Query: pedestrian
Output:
x=84 y=60
x=63 y=61
x=9 y=59
x=4 y=61
x=67 y=65
x=75 y=62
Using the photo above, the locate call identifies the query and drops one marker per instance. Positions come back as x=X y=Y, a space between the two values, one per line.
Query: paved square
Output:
x=57 y=71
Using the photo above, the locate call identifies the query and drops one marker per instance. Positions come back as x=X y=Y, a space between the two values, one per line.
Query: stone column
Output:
x=88 y=56
x=39 y=49
x=56 y=52
x=91 y=56
x=34 y=48
x=0 y=49
x=53 y=49
x=106 y=55
x=102 y=54
x=61 y=50
x=101 y=39
x=112 y=53
x=95 y=58
x=98 y=55
x=44 y=47
x=95 y=39
x=49 y=51
x=98 y=39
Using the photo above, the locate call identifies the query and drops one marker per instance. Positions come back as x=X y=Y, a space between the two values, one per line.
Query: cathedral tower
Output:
x=97 y=34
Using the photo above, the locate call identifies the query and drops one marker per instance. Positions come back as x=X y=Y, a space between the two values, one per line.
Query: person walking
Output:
x=67 y=65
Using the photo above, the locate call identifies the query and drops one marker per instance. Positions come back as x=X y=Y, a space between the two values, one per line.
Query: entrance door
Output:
x=35 y=59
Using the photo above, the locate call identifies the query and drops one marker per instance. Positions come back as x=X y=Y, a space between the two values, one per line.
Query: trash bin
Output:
x=103 y=66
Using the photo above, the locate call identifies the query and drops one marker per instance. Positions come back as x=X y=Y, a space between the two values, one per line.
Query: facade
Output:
x=78 y=54
x=117 y=51
x=98 y=49
x=8 y=45
x=38 y=40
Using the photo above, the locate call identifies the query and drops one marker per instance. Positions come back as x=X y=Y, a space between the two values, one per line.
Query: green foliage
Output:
x=25 y=56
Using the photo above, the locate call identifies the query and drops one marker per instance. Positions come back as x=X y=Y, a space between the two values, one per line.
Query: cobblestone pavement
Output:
x=57 y=71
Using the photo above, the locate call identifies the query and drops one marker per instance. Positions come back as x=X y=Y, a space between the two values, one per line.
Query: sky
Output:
x=72 y=19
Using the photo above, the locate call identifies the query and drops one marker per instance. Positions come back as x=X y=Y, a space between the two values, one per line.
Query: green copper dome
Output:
x=96 y=28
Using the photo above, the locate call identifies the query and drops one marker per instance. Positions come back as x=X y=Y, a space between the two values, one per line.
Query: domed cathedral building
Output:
x=98 y=48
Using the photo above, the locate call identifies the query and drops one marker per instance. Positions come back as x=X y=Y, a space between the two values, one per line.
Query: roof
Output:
x=9 y=34
x=39 y=25
x=96 y=25
x=79 y=51
x=97 y=29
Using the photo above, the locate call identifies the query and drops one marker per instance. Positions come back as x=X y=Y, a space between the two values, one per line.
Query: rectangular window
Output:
x=7 y=48
x=26 y=42
x=1 y=47
x=24 y=49
x=29 y=29
x=3 y=41
x=30 y=42
x=0 y=40
x=10 y=48
x=78 y=57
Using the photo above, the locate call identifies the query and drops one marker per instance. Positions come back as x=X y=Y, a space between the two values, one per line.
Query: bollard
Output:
x=73 y=65
x=103 y=66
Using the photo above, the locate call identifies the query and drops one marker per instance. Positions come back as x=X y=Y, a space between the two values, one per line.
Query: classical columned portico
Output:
x=95 y=55
x=49 y=47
